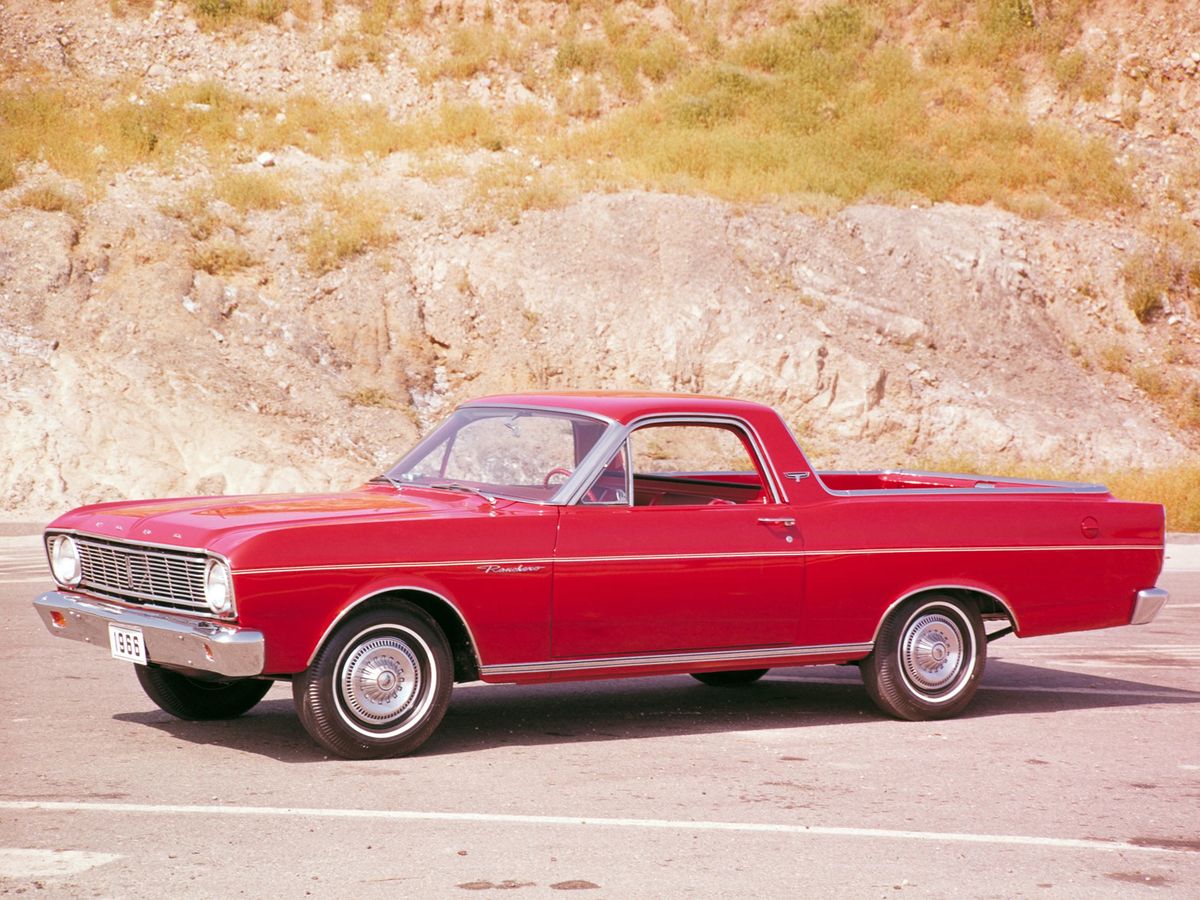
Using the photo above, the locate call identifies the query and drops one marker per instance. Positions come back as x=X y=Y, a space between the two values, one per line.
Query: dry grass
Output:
x=371 y=41
x=471 y=49
x=370 y=397
x=1146 y=284
x=221 y=258
x=223 y=13
x=246 y=191
x=1167 y=276
x=194 y=211
x=1080 y=75
x=351 y=222
x=628 y=56
x=1175 y=393
x=51 y=198
x=1114 y=358
x=825 y=105
x=510 y=187
x=1176 y=487
x=84 y=137
x=124 y=7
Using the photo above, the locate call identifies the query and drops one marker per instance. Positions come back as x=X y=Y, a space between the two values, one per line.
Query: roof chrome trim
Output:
x=350 y=607
x=599 y=417
x=669 y=659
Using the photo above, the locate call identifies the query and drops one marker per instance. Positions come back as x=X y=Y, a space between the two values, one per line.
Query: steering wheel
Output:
x=557 y=470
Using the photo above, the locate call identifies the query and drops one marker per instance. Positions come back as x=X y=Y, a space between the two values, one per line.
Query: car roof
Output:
x=625 y=406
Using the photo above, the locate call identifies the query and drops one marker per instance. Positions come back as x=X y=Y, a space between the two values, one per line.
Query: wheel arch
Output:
x=440 y=608
x=991 y=604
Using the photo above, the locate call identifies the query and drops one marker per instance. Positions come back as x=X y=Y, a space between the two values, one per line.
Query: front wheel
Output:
x=928 y=658
x=379 y=686
x=195 y=699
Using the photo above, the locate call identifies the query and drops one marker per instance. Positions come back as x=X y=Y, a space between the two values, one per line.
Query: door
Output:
x=680 y=545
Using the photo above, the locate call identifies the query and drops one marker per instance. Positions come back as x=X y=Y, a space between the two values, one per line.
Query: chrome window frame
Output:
x=555 y=498
x=589 y=470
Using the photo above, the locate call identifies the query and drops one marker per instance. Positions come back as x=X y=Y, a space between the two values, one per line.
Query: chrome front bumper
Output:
x=1147 y=605
x=172 y=641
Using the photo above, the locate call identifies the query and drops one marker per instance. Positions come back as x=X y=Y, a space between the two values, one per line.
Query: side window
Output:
x=680 y=464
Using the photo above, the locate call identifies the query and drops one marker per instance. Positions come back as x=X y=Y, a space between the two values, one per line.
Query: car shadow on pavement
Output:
x=483 y=717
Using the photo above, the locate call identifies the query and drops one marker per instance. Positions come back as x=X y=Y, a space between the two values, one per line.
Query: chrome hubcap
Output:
x=381 y=680
x=931 y=652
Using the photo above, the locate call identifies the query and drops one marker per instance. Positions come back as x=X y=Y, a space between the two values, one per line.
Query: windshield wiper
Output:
x=390 y=480
x=464 y=488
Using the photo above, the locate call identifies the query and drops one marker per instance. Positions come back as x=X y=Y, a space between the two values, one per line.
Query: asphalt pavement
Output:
x=1075 y=773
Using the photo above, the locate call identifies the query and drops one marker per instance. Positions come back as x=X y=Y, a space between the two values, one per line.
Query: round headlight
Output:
x=64 y=560
x=218 y=588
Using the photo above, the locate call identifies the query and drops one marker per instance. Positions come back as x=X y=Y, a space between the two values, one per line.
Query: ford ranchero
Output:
x=546 y=537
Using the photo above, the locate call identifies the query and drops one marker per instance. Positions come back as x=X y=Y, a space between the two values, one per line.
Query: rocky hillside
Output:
x=261 y=246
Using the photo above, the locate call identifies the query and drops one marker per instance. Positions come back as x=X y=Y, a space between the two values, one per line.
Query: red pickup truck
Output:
x=543 y=537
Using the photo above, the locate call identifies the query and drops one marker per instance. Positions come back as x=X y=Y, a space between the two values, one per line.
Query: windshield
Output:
x=520 y=454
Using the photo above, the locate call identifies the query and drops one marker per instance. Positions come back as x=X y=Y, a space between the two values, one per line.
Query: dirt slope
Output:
x=884 y=334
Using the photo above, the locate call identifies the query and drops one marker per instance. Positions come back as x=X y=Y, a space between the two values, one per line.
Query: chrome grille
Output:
x=142 y=575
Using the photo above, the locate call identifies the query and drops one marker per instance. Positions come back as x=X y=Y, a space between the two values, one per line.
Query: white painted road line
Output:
x=17 y=862
x=1015 y=688
x=404 y=815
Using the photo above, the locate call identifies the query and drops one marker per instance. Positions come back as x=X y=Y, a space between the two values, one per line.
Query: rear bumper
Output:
x=171 y=641
x=1147 y=605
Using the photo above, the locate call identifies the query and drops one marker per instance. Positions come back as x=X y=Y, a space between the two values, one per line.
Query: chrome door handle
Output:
x=786 y=522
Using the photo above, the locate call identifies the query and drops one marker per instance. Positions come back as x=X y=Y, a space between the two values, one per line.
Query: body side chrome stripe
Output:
x=1063 y=547
x=668 y=659
x=749 y=554
x=426 y=564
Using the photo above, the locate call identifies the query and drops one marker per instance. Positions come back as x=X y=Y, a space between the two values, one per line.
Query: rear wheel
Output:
x=928 y=658
x=196 y=699
x=379 y=686
x=730 y=679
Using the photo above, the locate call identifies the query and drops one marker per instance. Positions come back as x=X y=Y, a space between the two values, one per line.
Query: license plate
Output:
x=126 y=644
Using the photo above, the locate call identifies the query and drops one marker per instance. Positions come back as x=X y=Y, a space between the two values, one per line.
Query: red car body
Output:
x=807 y=571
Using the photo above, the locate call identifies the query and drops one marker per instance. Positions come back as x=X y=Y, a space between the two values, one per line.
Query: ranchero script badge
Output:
x=508 y=570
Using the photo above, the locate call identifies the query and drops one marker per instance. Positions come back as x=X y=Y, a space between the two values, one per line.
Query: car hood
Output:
x=203 y=522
